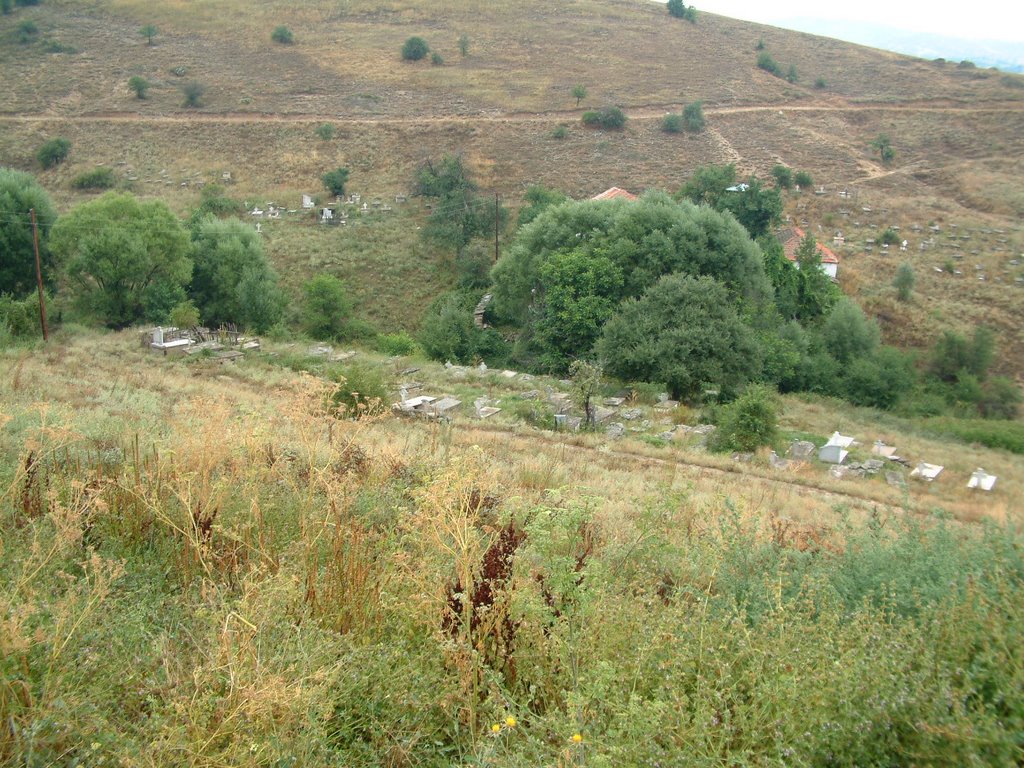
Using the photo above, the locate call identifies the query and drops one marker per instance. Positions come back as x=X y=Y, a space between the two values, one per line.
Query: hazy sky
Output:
x=980 y=19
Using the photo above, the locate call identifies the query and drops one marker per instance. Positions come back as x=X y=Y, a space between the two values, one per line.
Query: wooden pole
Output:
x=39 y=277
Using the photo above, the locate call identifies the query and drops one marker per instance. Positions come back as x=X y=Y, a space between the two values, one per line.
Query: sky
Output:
x=976 y=20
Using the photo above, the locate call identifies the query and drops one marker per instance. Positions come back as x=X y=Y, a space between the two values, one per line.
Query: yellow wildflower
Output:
x=510 y=721
x=577 y=738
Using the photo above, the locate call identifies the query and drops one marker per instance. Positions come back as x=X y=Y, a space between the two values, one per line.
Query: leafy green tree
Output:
x=904 y=281
x=447 y=332
x=184 y=315
x=783 y=176
x=684 y=332
x=879 y=379
x=707 y=184
x=214 y=201
x=747 y=423
x=579 y=292
x=139 y=85
x=464 y=45
x=1000 y=399
x=149 y=32
x=609 y=118
x=890 y=236
x=53 y=152
x=848 y=333
x=282 y=35
x=645 y=239
x=537 y=199
x=816 y=293
x=325 y=307
x=460 y=213
x=803 y=180
x=579 y=92
x=233 y=281
x=193 y=92
x=757 y=208
x=335 y=181
x=126 y=260
x=676 y=8
x=19 y=194
x=414 y=49
x=883 y=145
x=693 y=116
x=954 y=355
x=586 y=383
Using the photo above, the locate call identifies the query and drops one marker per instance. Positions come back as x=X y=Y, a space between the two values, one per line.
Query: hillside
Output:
x=957 y=131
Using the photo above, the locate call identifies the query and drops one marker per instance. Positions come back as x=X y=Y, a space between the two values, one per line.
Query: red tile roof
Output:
x=614 y=193
x=790 y=239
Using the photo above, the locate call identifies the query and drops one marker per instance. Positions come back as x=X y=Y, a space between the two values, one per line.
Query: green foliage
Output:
x=325 y=308
x=473 y=265
x=1001 y=434
x=579 y=92
x=184 y=315
x=766 y=62
x=883 y=145
x=233 y=281
x=820 y=83
x=693 y=116
x=335 y=181
x=645 y=239
x=282 y=35
x=149 y=32
x=904 y=281
x=126 y=260
x=19 y=194
x=672 y=123
x=1000 y=399
x=399 y=344
x=6 y=6
x=880 y=379
x=53 y=151
x=760 y=44
x=27 y=31
x=464 y=45
x=193 y=93
x=954 y=354
x=414 y=49
x=360 y=390
x=707 y=184
x=138 y=85
x=578 y=294
x=747 y=423
x=325 y=131
x=684 y=331
x=783 y=176
x=214 y=201
x=586 y=384
x=20 y=319
x=559 y=132
x=607 y=118
x=890 y=236
x=803 y=180
x=436 y=59
x=755 y=207
x=448 y=333
x=536 y=200
x=97 y=178
x=676 y=8
x=848 y=333
x=460 y=212
x=791 y=74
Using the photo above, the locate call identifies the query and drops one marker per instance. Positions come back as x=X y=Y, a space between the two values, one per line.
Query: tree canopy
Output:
x=127 y=260
x=20 y=193
x=756 y=207
x=684 y=332
x=233 y=280
x=644 y=239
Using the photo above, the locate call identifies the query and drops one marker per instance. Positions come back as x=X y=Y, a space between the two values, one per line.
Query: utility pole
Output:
x=39 y=277
x=495 y=227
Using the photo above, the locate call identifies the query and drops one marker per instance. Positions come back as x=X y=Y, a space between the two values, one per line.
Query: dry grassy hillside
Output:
x=958 y=131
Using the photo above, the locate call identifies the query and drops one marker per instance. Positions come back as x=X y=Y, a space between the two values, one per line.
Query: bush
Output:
x=820 y=83
x=27 y=31
x=693 y=116
x=139 y=85
x=1004 y=435
x=6 y=6
x=193 y=94
x=325 y=131
x=20 y=319
x=325 y=307
x=464 y=45
x=184 y=315
x=783 y=176
x=889 y=236
x=803 y=180
x=361 y=391
x=335 y=181
x=791 y=76
x=436 y=59
x=747 y=423
x=768 y=64
x=414 y=49
x=672 y=123
x=610 y=118
x=397 y=344
x=53 y=152
x=98 y=178
x=904 y=281
x=560 y=132
x=473 y=265
x=282 y=35
x=1000 y=399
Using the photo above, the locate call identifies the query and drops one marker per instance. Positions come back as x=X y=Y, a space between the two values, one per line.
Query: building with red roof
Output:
x=615 y=193
x=791 y=238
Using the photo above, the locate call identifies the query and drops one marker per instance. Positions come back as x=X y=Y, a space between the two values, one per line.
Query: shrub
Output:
x=1005 y=435
x=325 y=131
x=676 y=8
x=414 y=49
x=672 y=123
x=693 y=116
x=139 y=85
x=803 y=179
x=768 y=64
x=889 y=236
x=400 y=344
x=560 y=132
x=610 y=118
x=97 y=178
x=53 y=152
x=27 y=31
x=791 y=75
x=20 y=319
x=282 y=35
x=184 y=315
x=473 y=265
x=820 y=83
x=436 y=59
x=325 y=307
x=904 y=281
x=464 y=44
x=193 y=93
x=6 y=6
x=747 y=423
x=361 y=391
x=148 y=32
x=335 y=181
x=783 y=176
x=1000 y=399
